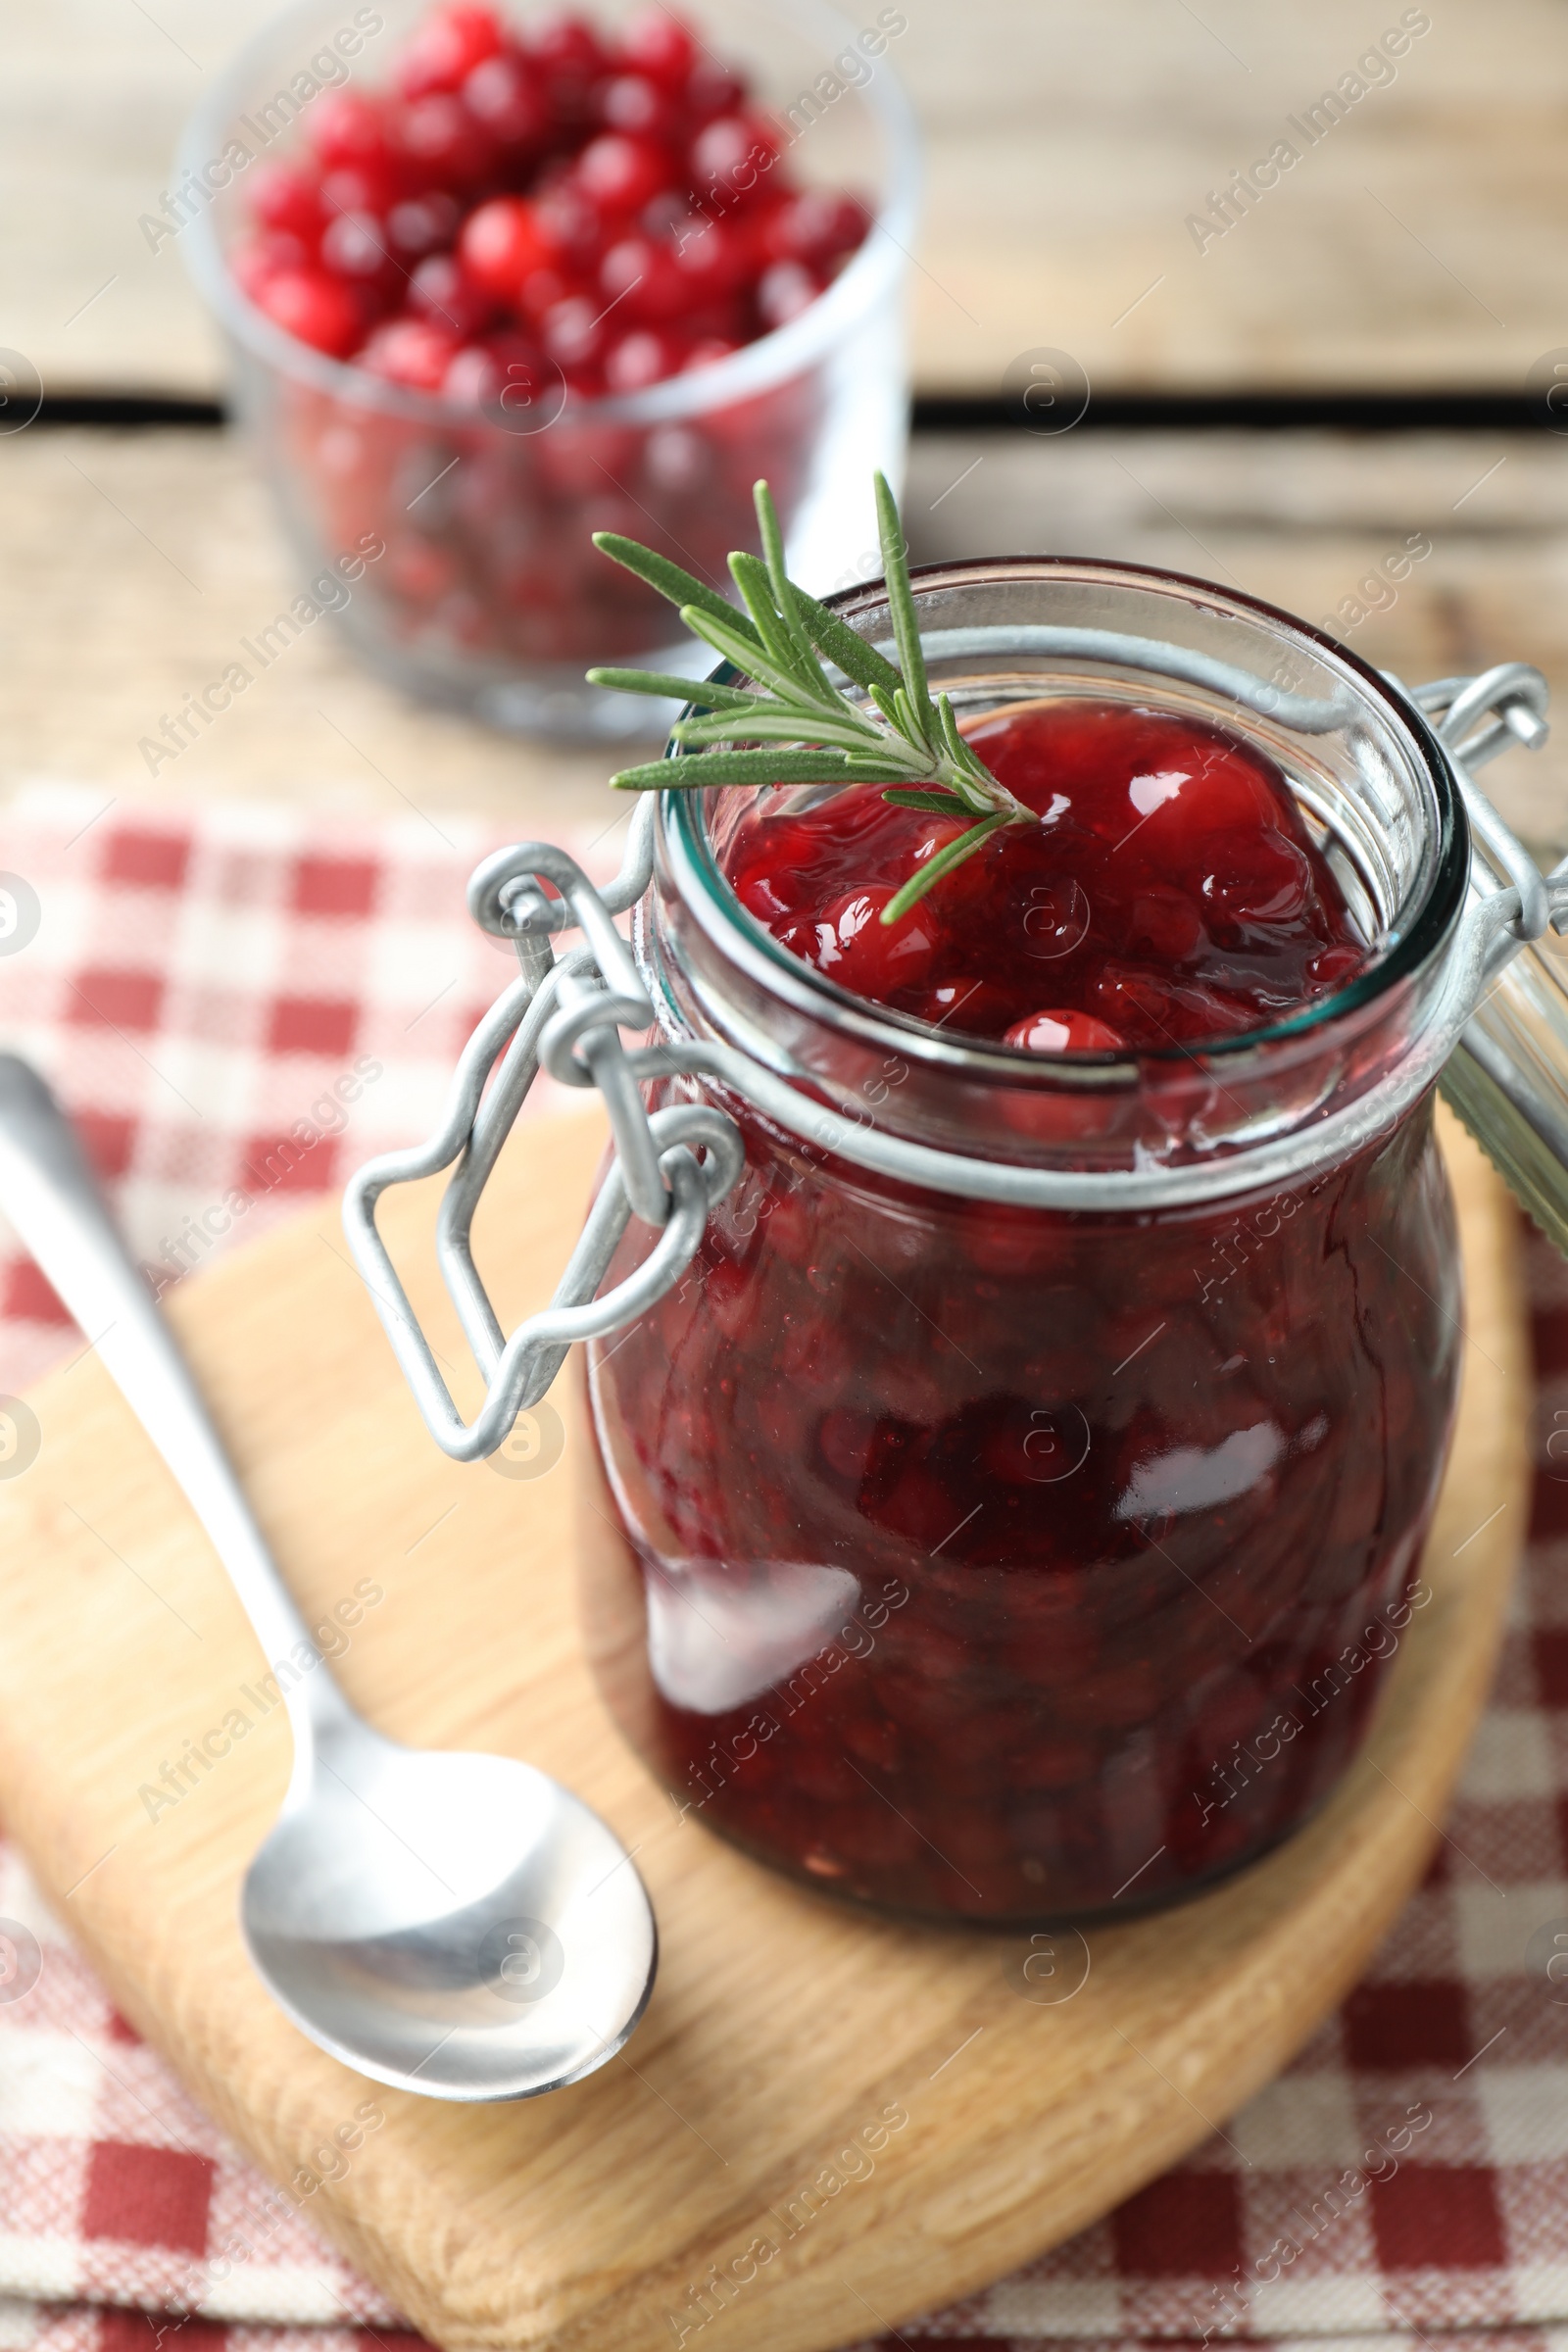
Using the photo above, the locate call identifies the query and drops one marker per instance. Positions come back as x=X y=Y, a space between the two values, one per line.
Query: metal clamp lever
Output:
x=566 y=1016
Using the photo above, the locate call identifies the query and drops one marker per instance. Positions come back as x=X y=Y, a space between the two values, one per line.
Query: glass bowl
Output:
x=462 y=536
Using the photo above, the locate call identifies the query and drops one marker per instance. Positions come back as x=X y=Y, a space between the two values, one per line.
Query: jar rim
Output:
x=1425 y=927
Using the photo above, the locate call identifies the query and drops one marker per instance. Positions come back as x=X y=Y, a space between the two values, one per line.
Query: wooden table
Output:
x=1414 y=245
x=130 y=563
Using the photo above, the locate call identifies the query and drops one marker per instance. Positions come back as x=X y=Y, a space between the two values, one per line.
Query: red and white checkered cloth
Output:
x=195 y=988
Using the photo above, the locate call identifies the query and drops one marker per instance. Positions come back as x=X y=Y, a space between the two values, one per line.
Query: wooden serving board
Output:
x=785 y=2032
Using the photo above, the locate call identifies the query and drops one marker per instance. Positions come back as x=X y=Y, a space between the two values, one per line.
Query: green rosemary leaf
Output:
x=922 y=880
x=681 y=587
x=936 y=804
x=704 y=691
x=786 y=596
x=900 y=607
x=768 y=722
x=846 y=647
x=733 y=768
x=737 y=642
x=754 y=583
x=955 y=742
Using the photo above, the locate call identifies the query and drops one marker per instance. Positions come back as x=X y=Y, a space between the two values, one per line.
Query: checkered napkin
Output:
x=240 y=1007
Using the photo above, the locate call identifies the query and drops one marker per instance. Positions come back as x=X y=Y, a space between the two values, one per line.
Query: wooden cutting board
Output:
x=880 y=2105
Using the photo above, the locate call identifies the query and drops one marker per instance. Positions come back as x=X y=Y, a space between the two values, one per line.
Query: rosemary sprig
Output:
x=899 y=736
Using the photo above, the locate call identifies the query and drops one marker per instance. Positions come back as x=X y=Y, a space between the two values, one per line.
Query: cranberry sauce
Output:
x=999 y=1563
x=1004 y=1563
x=1170 y=893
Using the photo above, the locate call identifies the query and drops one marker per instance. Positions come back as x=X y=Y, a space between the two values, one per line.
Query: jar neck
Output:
x=1198 y=1121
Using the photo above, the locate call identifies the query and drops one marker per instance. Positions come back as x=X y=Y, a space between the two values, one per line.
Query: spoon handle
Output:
x=48 y=1192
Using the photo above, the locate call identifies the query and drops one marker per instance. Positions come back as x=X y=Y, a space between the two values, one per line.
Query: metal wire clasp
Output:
x=564 y=1015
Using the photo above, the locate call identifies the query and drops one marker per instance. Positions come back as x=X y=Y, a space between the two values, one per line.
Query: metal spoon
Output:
x=453 y=1924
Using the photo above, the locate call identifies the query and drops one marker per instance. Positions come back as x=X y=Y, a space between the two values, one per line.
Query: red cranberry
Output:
x=345 y=126
x=423 y=225
x=814 y=227
x=415 y=352
x=644 y=281
x=316 y=308
x=713 y=90
x=620 y=173
x=644 y=356
x=441 y=289
x=558 y=41
x=504 y=242
x=659 y=45
x=574 y=333
x=713 y=257
x=631 y=103
x=503 y=96
x=281 y=197
x=571 y=62
x=734 y=155
x=371 y=187
x=443 y=143
x=504 y=372
x=356 y=246
x=446 y=48
x=785 y=290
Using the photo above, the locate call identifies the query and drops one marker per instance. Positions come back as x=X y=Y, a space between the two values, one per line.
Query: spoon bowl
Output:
x=460 y=1925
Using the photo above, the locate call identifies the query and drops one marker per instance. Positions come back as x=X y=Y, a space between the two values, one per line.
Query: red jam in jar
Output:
x=1001 y=1562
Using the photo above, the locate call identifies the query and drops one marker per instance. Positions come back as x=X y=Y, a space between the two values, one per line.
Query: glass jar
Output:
x=995 y=1562
x=1005 y=1505
x=475 y=582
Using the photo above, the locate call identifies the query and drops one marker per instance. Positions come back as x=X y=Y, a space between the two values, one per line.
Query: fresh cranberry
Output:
x=814 y=227
x=1062 y=1032
x=574 y=333
x=369 y=187
x=571 y=62
x=423 y=225
x=347 y=128
x=444 y=50
x=281 y=197
x=356 y=246
x=644 y=356
x=620 y=173
x=631 y=103
x=316 y=308
x=505 y=373
x=644 y=279
x=415 y=352
x=655 y=43
x=734 y=155
x=784 y=291
x=712 y=89
x=442 y=143
x=441 y=289
x=504 y=242
x=715 y=258
x=505 y=98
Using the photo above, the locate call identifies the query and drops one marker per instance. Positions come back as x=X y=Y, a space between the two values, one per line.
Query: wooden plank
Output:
x=782 y=2024
x=1412 y=246
x=130 y=565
